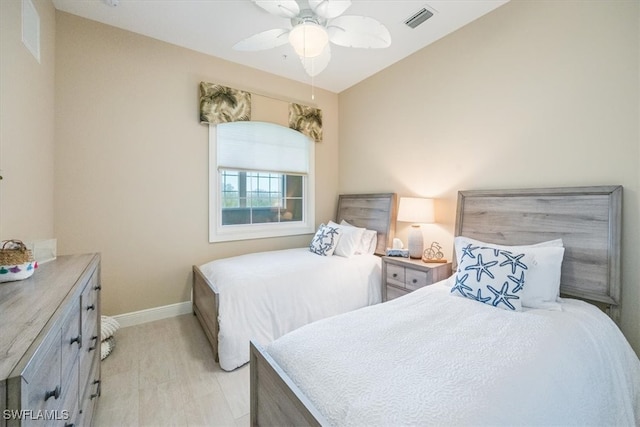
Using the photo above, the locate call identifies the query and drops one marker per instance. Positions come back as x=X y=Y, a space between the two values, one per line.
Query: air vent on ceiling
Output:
x=419 y=17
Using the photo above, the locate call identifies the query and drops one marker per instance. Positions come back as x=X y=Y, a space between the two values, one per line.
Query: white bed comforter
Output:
x=267 y=294
x=433 y=359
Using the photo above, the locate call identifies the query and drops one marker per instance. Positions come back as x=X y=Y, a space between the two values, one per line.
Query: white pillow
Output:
x=350 y=239
x=542 y=287
x=369 y=240
x=325 y=240
x=549 y=243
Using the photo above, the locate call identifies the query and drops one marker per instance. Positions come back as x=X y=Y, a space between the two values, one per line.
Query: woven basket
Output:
x=14 y=252
x=16 y=261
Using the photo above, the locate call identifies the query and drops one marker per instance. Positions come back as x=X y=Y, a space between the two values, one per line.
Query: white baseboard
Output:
x=151 y=314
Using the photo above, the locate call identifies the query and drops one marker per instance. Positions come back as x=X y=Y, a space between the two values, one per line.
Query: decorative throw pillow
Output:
x=543 y=278
x=491 y=276
x=325 y=240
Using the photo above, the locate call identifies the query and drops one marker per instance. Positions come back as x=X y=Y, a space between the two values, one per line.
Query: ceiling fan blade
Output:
x=329 y=9
x=284 y=8
x=264 y=40
x=317 y=64
x=358 y=31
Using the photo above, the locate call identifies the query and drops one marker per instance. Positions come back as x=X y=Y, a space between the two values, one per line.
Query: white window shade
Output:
x=262 y=146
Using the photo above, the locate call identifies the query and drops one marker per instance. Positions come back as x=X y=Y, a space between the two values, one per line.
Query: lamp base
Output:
x=415 y=241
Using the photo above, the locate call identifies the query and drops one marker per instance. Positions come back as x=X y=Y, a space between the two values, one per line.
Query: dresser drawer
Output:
x=41 y=387
x=89 y=312
x=415 y=279
x=71 y=340
x=92 y=392
x=88 y=352
x=395 y=275
x=71 y=398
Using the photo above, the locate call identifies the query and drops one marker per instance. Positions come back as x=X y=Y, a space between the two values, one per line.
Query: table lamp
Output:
x=417 y=211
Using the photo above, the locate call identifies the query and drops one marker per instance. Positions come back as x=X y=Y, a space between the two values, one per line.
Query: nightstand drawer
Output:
x=395 y=275
x=393 y=293
x=416 y=279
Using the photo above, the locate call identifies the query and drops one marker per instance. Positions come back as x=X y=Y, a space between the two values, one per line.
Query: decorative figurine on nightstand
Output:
x=433 y=253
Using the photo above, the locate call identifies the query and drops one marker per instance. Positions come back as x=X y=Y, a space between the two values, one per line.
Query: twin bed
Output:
x=435 y=358
x=262 y=296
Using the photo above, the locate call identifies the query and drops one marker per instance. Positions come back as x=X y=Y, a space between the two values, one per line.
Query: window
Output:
x=261 y=181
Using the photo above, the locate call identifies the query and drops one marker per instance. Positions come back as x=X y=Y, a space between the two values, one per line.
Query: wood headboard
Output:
x=372 y=211
x=587 y=219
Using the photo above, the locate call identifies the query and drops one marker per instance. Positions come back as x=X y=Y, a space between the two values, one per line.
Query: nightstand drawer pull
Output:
x=395 y=275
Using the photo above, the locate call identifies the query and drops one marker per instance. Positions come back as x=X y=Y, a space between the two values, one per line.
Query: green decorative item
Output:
x=222 y=104
x=306 y=120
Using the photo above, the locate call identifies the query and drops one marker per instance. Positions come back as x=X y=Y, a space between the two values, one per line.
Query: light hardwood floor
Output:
x=163 y=373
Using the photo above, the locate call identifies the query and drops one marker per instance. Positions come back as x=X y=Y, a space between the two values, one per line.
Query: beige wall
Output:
x=536 y=93
x=552 y=87
x=131 y=159
x=26 y=125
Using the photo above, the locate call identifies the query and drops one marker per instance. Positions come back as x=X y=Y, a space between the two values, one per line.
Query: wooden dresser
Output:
x=50 y=344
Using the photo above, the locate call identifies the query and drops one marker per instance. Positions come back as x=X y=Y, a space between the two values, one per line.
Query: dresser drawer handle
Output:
x=93 y=338
x=97 y=393
x=54 y=393
x=76 y=339
x=97 y=287
x=91 y=307
x=414 y=281
x=69 y=425
x=395 y=274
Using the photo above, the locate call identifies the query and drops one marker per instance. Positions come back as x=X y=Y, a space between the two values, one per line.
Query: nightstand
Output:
x=403 y=275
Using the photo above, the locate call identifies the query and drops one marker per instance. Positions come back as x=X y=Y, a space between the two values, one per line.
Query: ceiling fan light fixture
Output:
x=308 y=39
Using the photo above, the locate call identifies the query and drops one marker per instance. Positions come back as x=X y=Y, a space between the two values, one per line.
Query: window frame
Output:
x=225 y=233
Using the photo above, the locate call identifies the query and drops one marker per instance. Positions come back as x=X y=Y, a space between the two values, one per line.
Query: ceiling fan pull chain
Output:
x=313 y=95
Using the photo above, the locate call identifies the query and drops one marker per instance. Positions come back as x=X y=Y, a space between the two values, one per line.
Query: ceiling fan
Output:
x=315 y=23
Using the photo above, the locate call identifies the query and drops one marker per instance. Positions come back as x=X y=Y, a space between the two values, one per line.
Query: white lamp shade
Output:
x=308 y=39
x=416 y=210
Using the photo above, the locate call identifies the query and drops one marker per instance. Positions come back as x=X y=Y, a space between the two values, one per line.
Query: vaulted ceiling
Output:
x=214 y=26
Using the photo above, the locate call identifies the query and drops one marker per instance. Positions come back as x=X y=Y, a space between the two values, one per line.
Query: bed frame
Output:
x=372 y=211
x=588 y=219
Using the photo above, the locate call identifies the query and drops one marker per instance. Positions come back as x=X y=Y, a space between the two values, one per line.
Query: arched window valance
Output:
x=222 y=104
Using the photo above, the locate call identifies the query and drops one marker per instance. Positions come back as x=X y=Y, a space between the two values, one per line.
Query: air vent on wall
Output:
x=419 y=17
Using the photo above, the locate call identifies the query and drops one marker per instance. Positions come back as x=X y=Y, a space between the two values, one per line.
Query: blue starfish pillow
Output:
x=325 y=240
x=491 y=276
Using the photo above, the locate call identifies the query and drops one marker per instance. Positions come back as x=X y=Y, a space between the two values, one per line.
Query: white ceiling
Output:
x=214 y=26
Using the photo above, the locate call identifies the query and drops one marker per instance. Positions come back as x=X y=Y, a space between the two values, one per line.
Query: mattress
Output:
x=264 y=295
x=430 y=358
